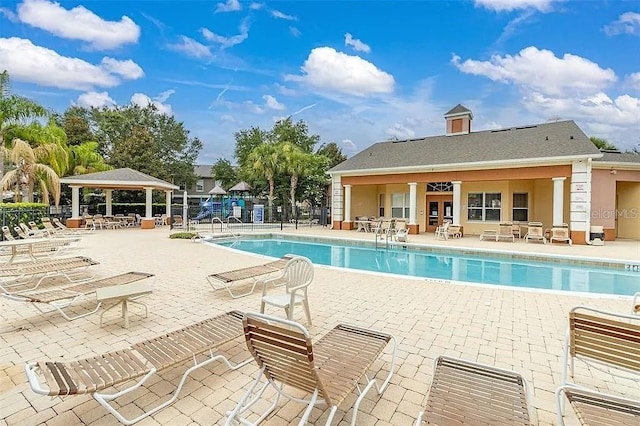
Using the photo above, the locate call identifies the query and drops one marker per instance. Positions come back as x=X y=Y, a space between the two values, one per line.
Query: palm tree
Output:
x=297 y=164
x=265 y=160
x=14 y=110
x=84 y=158
x=29 y=173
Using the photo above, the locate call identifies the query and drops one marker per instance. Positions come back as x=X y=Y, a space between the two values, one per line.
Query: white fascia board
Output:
x=119 y=183
x=620 y=165
x=480 y=165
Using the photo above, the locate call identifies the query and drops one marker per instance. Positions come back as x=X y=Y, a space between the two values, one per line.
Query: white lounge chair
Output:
x=535 y=232
x=560 y=234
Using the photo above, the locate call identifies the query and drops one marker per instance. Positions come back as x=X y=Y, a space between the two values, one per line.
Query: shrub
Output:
x=183 y=235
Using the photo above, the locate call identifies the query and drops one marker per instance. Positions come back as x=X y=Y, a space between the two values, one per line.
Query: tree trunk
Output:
x=292 y=194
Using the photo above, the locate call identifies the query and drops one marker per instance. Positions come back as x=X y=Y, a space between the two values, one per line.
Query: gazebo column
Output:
x=75 y=221
x=167 y=211
x=108 y=195
x=148 y=222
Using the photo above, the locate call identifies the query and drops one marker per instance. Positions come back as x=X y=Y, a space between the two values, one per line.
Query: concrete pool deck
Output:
x=509 y=328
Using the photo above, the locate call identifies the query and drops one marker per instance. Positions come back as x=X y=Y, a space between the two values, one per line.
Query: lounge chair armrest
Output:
x=33 y=379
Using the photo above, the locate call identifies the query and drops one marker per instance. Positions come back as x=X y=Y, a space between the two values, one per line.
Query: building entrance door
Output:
x=439 y=208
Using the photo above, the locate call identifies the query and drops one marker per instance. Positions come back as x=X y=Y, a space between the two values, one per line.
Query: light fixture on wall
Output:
x=613 y=171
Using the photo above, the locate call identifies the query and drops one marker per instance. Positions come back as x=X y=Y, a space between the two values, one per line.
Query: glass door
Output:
x=448 y=211
x=434 y=215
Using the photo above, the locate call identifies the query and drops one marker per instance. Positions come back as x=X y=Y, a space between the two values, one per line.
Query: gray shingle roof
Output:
x=203 y=170
x=619 y=157
x=458 y=109
x=559 y=139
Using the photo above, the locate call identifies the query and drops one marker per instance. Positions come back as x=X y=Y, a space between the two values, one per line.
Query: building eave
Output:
x=502 y=164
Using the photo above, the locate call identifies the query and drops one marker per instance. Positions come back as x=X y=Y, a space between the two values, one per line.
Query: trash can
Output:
x=597 y=235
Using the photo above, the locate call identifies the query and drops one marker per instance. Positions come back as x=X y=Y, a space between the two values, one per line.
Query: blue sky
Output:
x=357 y=72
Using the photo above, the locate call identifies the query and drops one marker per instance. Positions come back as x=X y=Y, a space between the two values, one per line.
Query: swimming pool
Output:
x=450 y=266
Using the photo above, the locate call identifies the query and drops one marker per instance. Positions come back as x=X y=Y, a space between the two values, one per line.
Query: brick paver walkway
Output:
x=515 y=329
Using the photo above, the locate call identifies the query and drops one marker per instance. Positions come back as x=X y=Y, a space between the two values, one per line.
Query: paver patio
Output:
x=516 y=329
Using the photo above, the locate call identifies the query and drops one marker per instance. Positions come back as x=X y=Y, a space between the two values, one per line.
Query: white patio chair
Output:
x=297 y=275
x=442 y=231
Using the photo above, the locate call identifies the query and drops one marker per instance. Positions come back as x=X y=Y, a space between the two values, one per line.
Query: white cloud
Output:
x=627 y=23
x=35 y=64
x=356 y=44
x=192 y=48
x=228 y=6
x=226 y=42
x=509 y=5
x=285 y=90
x=280 y=15
x=96 y=100
x=349 y=146
x=256 y=6
x=143 y=100
x=633 y=80
x=252 y=107
x=327 y=69
x=400 y=131
x=541 y=70
x=272 y=102
x=78 y=23
x=295 y=32
x=127 y=69
x=9 y=14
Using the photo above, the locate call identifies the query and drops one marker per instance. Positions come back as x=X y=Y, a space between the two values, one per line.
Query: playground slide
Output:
x=203 y=214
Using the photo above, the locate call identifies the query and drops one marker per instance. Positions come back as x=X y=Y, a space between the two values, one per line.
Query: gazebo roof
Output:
x=126 y=178
x=241 y=186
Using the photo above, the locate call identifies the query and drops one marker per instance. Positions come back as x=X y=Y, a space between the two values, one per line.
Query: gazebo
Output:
x=120 y=179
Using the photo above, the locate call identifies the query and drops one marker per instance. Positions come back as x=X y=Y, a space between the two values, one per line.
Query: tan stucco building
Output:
x=550 y=173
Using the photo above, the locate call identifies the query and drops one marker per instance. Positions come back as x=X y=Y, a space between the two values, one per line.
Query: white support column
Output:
x=75 y=201
x=149 y=204
x=457 y=202
x=108 y=195
x=412 y=203
x=558 y=200
x=347 y=203
x=167 y=195
x=336 y=201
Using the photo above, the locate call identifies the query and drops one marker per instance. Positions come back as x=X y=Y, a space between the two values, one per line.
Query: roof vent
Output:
x=571 y=137
x=546 y=138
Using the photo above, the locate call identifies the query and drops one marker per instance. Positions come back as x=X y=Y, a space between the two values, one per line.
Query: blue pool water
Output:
x=486 y=270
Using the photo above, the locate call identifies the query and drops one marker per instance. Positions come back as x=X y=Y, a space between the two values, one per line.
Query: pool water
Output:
x=447 y=266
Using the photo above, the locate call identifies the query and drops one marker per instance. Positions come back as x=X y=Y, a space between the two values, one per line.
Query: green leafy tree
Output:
x=76 y=122
x=29 y=173
x=246 y=141
x=171 y=151
x=15 y=109
x=602 y=143
x=333 y=153
x=295 y=133
x=224 y=172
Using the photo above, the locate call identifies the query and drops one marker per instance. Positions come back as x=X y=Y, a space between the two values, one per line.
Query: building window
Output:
x=381 y=205
x=182 y=186
x=439 y=187
x=200 y=186
x=520 y=207
x=400 y=205
x=484 y=206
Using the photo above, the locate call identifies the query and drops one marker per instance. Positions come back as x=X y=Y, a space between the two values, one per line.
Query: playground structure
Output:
x=221 y=209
